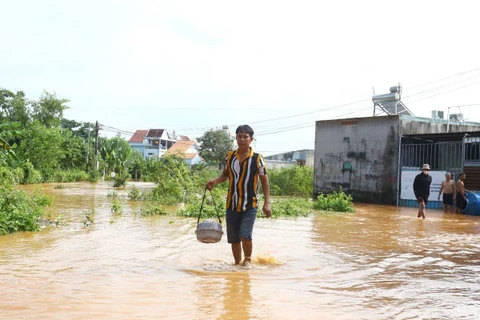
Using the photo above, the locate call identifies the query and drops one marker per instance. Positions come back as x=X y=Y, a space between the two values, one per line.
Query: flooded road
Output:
x=380 y=263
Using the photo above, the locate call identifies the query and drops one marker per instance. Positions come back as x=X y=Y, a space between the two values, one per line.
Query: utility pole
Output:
x=88 y=147
x=97 y=128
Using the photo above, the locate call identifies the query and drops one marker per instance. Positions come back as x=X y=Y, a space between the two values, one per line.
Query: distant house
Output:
x=152 y=142
x=187 y=150
x=288 y=159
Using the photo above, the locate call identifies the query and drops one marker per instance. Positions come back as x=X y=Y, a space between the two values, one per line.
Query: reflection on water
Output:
x=380 y=263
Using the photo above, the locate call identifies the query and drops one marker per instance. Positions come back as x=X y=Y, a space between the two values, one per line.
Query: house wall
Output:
x=137 y=147
x=416 y=125
x=195 y=160
x=278 y=164
x=291 y=158
x=360 y=155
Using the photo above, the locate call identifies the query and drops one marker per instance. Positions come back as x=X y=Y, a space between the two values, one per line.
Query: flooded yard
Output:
x=380 y=263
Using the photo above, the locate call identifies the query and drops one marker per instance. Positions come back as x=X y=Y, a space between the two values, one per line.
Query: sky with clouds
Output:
x=279 y=66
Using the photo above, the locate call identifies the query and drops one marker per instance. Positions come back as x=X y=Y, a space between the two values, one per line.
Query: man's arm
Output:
x=461 y=189
x=415 y=182
x=440 y=192
x=266 y=193
x=221 y=178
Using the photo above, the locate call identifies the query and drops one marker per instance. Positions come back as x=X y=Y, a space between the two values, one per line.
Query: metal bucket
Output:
x=209 y=232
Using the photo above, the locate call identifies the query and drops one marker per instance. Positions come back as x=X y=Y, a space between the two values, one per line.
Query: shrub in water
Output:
x=192 y=208
x=293 y=181
x=153 y=210
x=20 y=211
x=336 y=201
x=135 y=194
x=31 y=175
x=294 y=207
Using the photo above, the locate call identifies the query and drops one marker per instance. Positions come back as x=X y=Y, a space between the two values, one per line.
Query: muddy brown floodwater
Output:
x=380 y=263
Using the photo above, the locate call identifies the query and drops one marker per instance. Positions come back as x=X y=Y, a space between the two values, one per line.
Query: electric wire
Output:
x=306 y=125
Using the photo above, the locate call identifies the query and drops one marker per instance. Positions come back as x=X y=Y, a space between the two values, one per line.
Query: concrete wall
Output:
x=361 y=155
x=277 y=164
x=306 y=156
x=417 y=125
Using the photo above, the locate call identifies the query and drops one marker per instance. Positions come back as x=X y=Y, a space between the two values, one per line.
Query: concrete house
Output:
x=186 y=150
x=152 y=142
x=289 y=159
x=376 y=158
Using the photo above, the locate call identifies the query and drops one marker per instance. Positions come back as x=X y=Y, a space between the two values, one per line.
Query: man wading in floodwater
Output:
x=449 y=190
x=421 y=188
x=243 y=169
x=461 y=199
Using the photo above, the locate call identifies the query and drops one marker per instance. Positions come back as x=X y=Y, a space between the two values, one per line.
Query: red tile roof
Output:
x=184 y=138
x=155 y=133
x=138 y=136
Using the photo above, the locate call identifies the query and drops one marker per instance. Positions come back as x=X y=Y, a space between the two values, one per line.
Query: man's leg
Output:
x=246 y=231
x=247 y=249
x=421 y=210
x=237 y=252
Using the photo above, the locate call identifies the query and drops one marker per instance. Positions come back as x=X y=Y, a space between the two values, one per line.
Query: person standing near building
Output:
x=421 y=189
x=244 y=169
x=461 y=198
x=449 y=192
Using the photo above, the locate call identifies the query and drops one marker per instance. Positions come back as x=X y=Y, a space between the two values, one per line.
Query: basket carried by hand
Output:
x=209 y=231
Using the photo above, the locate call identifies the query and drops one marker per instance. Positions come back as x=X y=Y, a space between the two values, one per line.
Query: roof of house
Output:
x=180 y=147
x=138 y=136
x=155 y=133
x=190 y=155
x=184 y=138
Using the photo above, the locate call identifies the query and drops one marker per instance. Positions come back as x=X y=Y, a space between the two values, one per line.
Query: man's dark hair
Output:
x=461 y=174
x=245 y=128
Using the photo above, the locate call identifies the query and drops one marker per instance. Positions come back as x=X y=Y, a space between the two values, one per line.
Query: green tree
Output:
x=214 y=145
x=75 y=151
x=7 y=154
x=43 y=147
x=137 y=165
x=49 y=110
x=115 y=152
x=13 y=107
x=79 y=129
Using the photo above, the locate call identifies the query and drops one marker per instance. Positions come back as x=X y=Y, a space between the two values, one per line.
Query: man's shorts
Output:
x=460 y=201
x=448 y=199
x=422 y=199
x=240 y=225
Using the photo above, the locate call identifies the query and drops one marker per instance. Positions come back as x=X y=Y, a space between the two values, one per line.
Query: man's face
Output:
x=463 y=177
x=447 y=176
x=243 y=139
x=424 y=171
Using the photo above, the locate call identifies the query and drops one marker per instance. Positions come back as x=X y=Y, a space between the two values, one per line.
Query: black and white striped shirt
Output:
x=243 y=180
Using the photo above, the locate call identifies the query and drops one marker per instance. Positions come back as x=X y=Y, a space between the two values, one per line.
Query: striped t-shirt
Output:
x=243 y=180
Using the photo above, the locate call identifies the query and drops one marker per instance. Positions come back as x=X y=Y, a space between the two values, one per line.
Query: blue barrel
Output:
x=473 y=204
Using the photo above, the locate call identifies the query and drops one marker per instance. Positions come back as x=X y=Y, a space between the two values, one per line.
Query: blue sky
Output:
x=190 y=66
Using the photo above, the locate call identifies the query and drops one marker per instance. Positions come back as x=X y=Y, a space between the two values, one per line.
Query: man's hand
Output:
x=211 y=184
x=267 y=211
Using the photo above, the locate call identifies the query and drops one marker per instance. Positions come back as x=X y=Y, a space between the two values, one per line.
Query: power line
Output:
x=438 y=94
x=446 y=78
x=306 y=125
